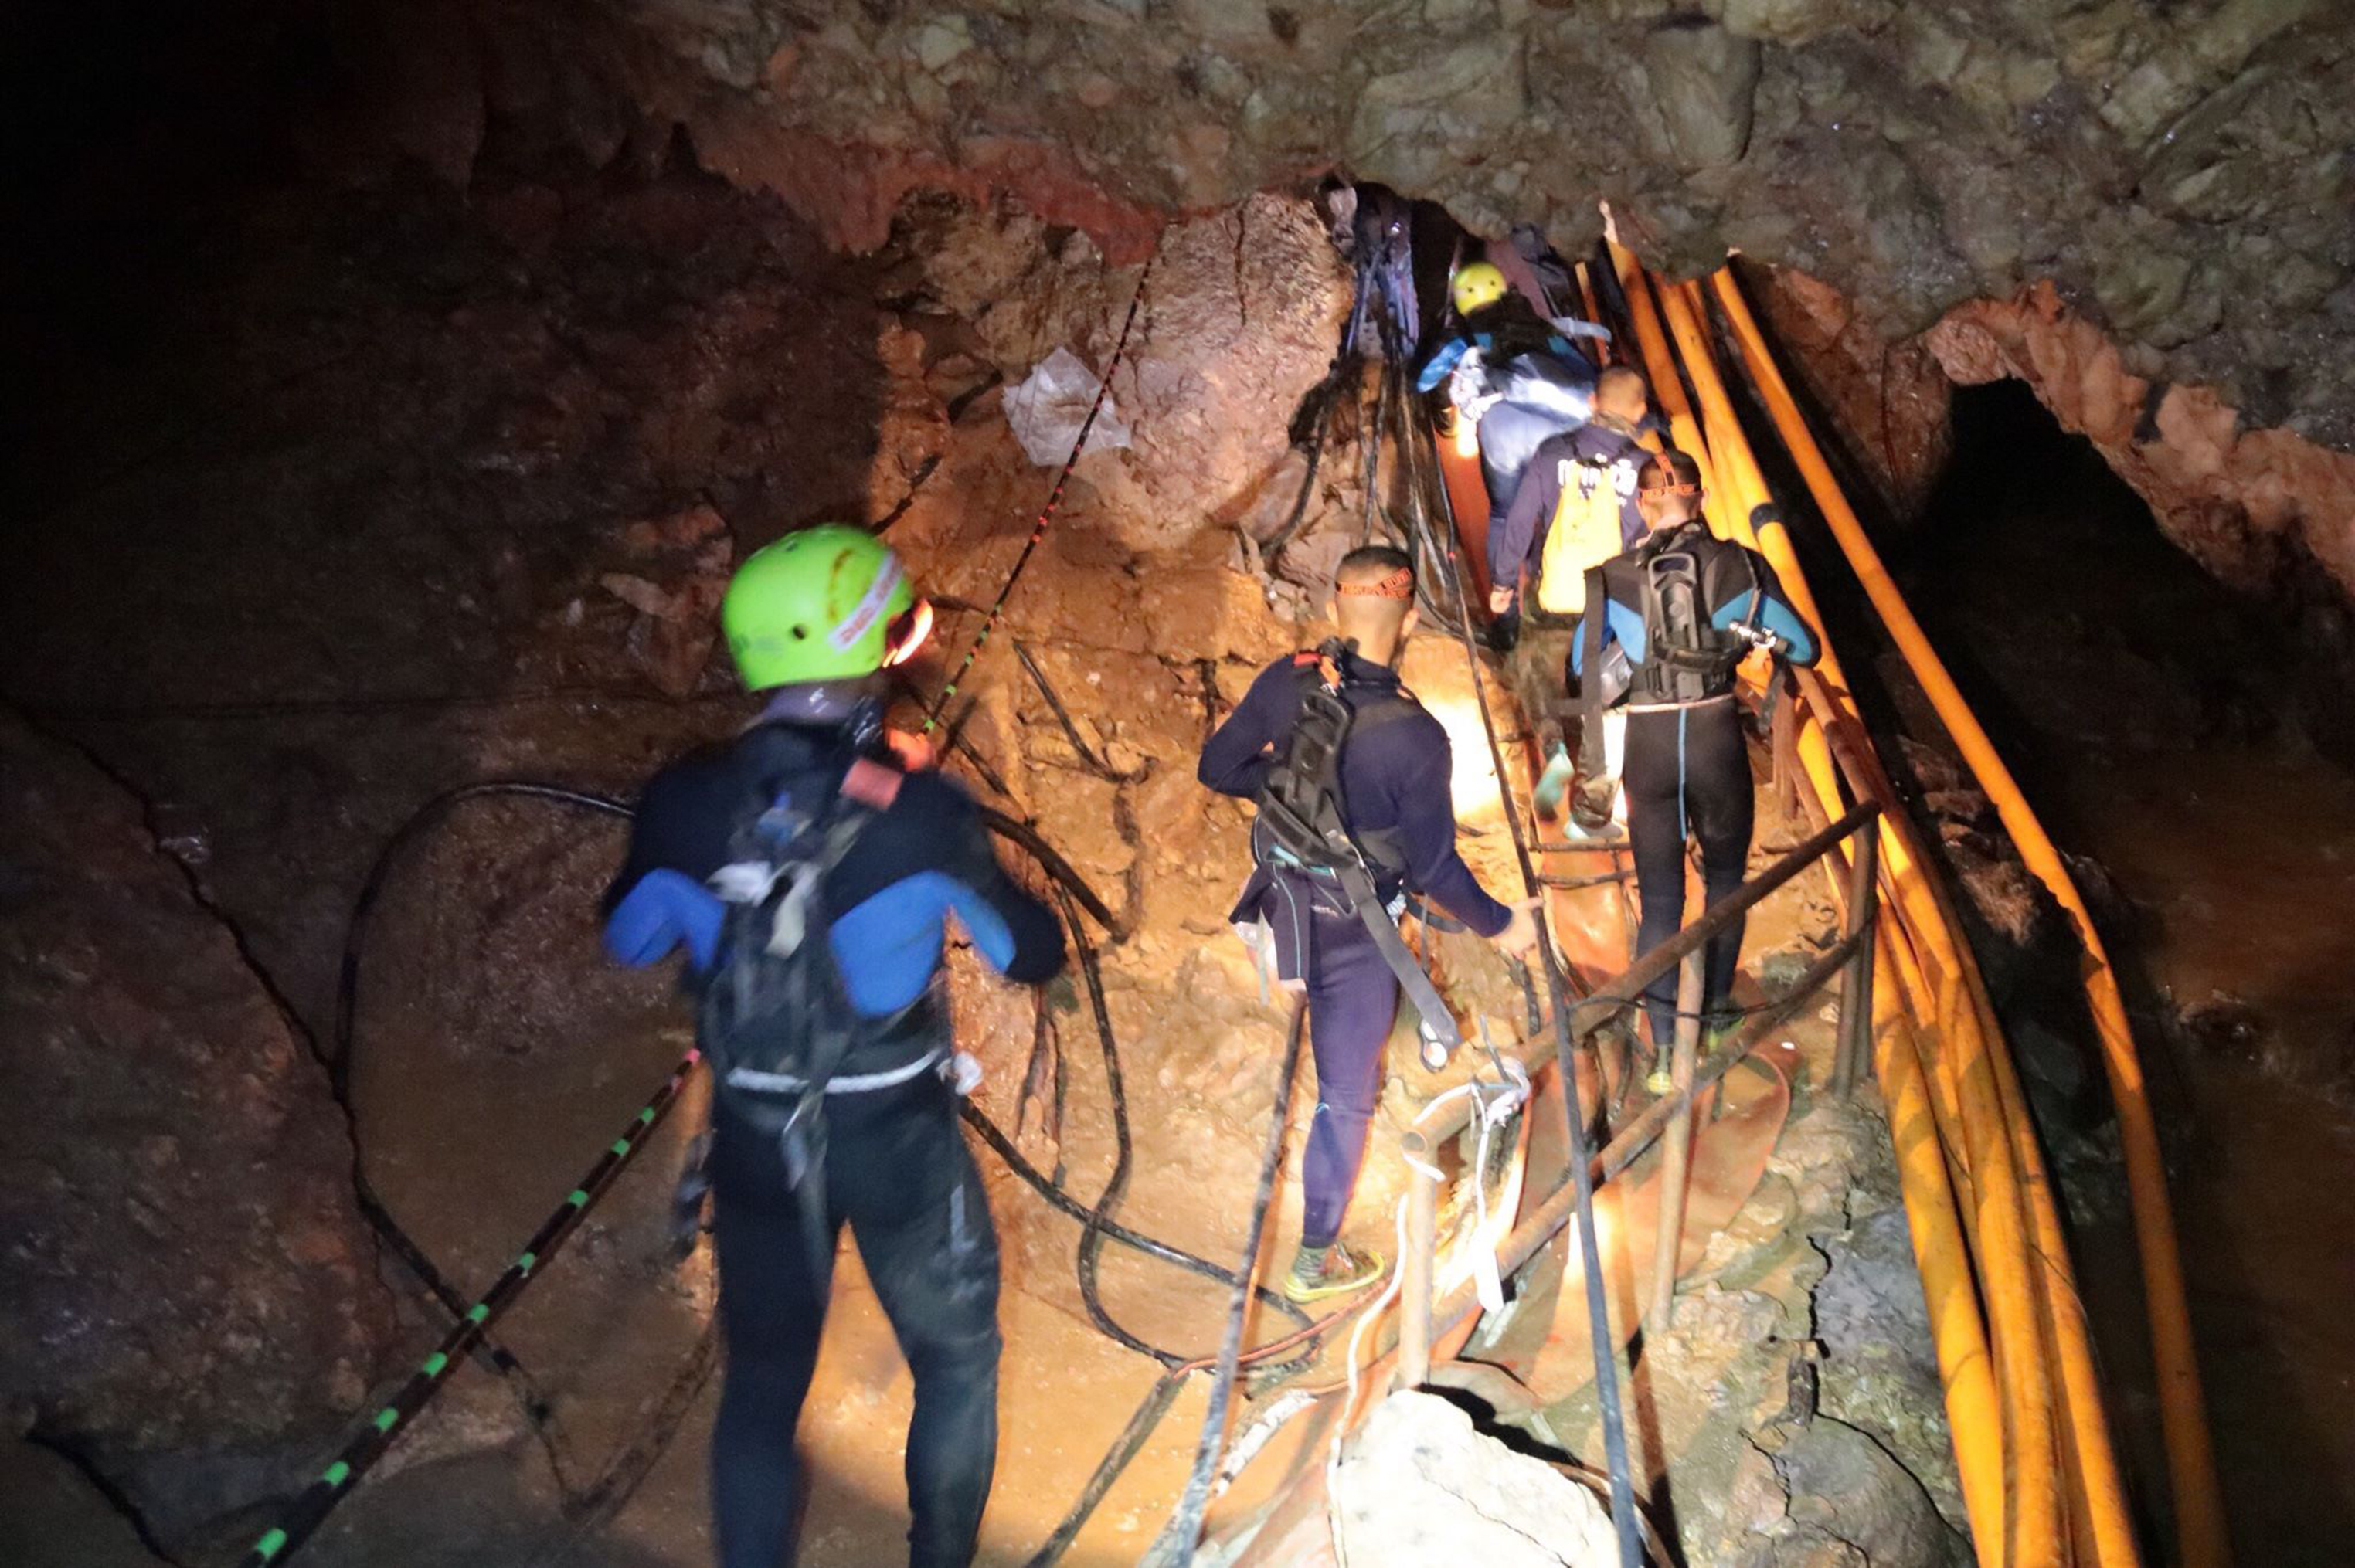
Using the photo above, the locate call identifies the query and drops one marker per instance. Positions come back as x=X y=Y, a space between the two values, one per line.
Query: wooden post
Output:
x=1854 y=1058
x=1789 y=785
x=1415 y=1266
x=1675 y=1146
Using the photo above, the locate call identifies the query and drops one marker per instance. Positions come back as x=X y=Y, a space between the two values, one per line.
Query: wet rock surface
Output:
x=182 y=1326
x=1417 y=1484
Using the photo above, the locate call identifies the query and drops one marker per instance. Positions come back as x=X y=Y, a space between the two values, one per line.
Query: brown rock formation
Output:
x=164 y=1306
x=2245 y=503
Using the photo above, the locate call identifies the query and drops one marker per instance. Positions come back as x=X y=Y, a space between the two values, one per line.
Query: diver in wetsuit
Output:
x=1685 y=607
x=1394 y=774
x=1511 y=372
x=833 y=1099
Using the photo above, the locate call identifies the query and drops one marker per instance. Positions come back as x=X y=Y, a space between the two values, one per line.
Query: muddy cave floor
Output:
x=467 y=1144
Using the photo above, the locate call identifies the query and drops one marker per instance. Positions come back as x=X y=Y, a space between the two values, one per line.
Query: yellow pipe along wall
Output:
x=2051 y=1350
x=2198 y=1513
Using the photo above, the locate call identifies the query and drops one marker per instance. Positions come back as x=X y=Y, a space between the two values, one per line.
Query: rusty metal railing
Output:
x=1422 y=1320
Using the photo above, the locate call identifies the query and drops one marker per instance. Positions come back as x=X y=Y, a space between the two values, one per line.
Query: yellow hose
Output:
x=2198 y=1512
x=2006 y=1448
x=2050 y=1352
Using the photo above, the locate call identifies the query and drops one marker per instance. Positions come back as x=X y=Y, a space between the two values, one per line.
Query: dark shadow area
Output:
x=2166 y=729
x=376 y=432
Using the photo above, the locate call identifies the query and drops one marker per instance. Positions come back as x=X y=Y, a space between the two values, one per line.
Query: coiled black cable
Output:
x=1072 y=894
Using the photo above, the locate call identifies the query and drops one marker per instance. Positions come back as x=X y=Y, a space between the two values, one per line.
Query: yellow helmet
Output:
x=1476 y=286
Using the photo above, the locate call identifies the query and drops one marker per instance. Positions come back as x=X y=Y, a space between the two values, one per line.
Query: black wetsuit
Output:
x=1394 y=781
x=896 y=1171
x=1687 y=765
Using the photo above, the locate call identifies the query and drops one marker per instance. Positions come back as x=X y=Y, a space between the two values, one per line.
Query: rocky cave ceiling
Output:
x=2178 y=168
x=2141 y=206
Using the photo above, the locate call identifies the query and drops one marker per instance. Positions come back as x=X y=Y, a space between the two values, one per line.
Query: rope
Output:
x=1046 y=513
x=334 y=1483
x=1625 y=1519
x=1185 y=1529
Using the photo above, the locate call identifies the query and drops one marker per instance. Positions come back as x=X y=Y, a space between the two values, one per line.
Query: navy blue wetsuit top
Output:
x=1393 y=776
x=926 y=855
x=1517 y=542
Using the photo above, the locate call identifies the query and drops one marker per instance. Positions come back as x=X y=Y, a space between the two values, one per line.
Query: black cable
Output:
x=373 y=1209
x=1186 y=1528
x=1373 y=427
x=1095 y=765
x=1124 y=1448
x=1344 y=369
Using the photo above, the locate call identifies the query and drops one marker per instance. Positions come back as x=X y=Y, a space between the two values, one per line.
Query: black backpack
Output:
x=1688 y=657
x=1302 y=825
x=774 y=1020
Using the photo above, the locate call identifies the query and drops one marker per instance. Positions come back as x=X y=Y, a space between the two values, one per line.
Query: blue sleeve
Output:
x=1436 y=370
x=1017 y=934
x=662 y=910
x=1620 y=625
x=1426 y=820
x=1774 y=615
x=1236 y=758
x=1798 y=638
x=929 y=858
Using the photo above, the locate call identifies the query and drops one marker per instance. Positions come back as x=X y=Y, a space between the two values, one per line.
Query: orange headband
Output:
x=1400 y=584
x=1693 y=489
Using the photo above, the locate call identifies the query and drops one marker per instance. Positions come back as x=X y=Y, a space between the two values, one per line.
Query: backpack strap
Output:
x=1592 y=763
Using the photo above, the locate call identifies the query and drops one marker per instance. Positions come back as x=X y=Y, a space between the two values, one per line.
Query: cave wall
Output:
x=177 y=1324
x=2258 y=508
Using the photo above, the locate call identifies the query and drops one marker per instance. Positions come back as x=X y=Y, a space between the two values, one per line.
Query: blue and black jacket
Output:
x=926 y=856
x=1503 y=332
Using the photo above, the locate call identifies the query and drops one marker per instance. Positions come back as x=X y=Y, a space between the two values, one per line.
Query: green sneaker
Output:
x=1336 y=1270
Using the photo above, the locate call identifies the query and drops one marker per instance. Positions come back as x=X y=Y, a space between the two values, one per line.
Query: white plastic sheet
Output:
x=1049 y=406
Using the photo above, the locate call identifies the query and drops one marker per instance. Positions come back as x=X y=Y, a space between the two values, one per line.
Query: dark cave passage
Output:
x=2184 y=740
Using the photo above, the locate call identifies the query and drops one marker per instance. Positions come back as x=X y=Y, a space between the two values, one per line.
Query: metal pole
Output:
x=1623 y=989
x=1416 y=1262
x=1787 y=781
x=1186 y=1527
x=1855 y=1057
x=1676 y=1149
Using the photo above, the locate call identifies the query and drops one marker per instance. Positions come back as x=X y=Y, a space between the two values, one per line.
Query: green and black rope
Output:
x=369 y=1444
x=1046 y=513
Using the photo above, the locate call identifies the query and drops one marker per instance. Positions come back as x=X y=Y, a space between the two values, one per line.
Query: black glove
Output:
x=1504 y=630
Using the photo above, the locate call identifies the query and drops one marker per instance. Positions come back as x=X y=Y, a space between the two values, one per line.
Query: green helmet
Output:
x=829 y=603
